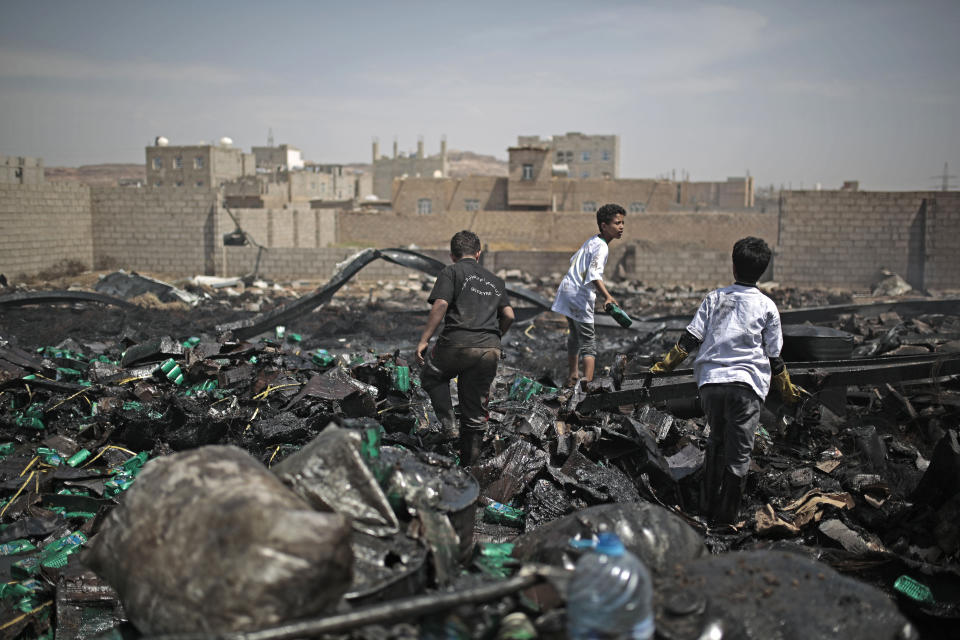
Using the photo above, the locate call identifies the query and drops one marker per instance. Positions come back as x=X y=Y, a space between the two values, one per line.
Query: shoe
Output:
x=443 y=436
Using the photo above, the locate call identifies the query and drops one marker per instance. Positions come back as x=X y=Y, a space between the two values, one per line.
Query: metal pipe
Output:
x=387 y=612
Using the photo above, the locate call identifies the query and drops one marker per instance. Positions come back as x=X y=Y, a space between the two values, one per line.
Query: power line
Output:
x=945 y=179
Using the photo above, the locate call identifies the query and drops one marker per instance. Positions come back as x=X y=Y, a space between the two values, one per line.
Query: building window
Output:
x=178 y=163
x=424 y=206
x=198 y=162
x=199 y=183
x=157 y=163
x=560 y=157
x=179 y=183
x=584 y=174
x=584 y=156
x=527 y=172
x=605 y=155
x=471 y=204
x=158 y=183
x=637 y=207
x=589 y=206
x=569 y=156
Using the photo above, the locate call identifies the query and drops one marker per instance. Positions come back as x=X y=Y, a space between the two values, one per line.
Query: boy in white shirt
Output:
x=577 y=293
x=737 y=330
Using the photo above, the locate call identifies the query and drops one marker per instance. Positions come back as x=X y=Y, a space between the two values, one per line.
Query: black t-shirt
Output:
x=474 y=295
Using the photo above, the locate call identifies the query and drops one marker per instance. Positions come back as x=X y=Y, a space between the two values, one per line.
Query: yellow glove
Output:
x=789 y=392
x=670 y=361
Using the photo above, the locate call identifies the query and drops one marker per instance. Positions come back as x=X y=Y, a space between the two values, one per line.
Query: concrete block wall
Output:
x=651 y=266
x=942 y=241
x=545 y=231
x=160 y=229
x=312 y=264
x=42 y=225
x=285 y=228
x=844 y=238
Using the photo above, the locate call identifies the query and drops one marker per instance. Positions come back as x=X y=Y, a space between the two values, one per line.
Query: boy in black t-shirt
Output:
x=472 y=303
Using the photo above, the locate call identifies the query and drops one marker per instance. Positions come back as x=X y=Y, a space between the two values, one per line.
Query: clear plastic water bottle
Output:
x=610 y=594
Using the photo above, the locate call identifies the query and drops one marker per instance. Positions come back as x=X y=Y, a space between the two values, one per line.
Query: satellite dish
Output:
x=437 y=173
x=225 y=141
x=160 y=141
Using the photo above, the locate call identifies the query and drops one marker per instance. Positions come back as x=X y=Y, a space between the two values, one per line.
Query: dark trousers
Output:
x=475 y=368
x=733 y=412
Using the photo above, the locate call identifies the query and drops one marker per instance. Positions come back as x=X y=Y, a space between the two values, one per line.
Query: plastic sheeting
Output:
x=213 y=526
x=330 y=474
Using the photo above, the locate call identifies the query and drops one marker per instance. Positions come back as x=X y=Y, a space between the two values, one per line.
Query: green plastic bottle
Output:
x=619 y=315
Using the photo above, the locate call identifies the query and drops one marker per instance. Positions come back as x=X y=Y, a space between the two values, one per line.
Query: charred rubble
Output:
x=218 y=459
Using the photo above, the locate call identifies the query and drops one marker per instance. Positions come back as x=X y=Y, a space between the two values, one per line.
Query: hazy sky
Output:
x=794 y=92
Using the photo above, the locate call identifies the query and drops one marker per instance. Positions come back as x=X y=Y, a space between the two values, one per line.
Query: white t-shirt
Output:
x=576 y=296
x=739 y=330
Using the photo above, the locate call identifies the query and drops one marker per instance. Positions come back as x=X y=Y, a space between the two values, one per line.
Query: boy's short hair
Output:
x=464 y=243
x=750 y=258
x=608 y=212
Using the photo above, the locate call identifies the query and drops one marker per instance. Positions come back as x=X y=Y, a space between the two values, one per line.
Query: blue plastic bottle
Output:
x=610 y=594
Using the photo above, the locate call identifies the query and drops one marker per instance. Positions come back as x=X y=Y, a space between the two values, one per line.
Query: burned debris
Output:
x=198 y=471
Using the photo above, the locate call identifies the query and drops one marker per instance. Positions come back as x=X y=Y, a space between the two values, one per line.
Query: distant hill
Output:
x=468 y=163
x=461 y=164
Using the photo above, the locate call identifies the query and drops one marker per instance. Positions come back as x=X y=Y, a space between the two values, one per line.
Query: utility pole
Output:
x=945 y=178
x=270 y=136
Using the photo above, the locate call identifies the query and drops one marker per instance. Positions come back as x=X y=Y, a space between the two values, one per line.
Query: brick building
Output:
x=21 y=170
x=401 y=165
x=580 y=155
x=531 y=185
x=279 y=158
x=201 y=166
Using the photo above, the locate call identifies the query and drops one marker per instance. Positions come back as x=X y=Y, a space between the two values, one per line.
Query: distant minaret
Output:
x=270 y=137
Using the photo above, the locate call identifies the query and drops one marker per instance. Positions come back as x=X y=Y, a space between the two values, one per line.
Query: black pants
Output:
x=475 y=368
x=733 y=412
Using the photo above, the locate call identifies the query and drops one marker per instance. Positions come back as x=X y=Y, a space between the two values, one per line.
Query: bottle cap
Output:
x=609 y=544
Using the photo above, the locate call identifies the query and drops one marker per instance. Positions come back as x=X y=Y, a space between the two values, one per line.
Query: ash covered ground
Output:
x=846 y=489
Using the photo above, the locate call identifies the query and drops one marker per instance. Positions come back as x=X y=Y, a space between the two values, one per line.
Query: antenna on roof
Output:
x=270 y=136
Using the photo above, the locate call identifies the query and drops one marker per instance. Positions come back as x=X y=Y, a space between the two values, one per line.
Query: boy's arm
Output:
x=602 y=288
x=790 y=393
x=506 y=317
x=677 y=354
x=687 y=342
x=437 y=311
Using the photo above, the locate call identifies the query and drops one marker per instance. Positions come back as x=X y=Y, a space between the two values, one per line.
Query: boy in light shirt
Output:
x=577 y=293
x=737 y=330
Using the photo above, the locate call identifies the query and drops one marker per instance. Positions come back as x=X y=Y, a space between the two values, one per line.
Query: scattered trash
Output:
x=322 y=408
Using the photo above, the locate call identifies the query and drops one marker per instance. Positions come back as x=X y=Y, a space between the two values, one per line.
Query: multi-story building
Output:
x=202 y=166
x=579 y=155
x=21 y=170
x=401 y=165
x=535 y=183
x=279 y=158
